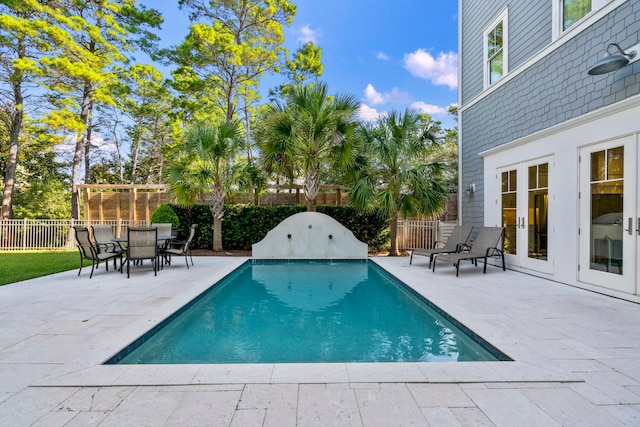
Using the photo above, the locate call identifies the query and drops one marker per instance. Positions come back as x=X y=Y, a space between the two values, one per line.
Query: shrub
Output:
x=244 y=225
x=165 y=214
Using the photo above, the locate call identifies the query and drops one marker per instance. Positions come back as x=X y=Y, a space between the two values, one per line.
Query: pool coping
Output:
x=88 y=369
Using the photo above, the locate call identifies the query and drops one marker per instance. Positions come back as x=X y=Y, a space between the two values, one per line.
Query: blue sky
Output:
x=390 y=54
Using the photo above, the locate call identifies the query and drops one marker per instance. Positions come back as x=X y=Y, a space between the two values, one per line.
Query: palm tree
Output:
x=391 y=174
x=308 y=133
x=207 y=168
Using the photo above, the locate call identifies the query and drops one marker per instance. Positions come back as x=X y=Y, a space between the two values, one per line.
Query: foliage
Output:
x=165 y=214
x=230 y=46
x=305 y=65
x=18 y=266
x=44 y=189
x=197 y=214
x=392 y=176
x=308 y=134
x=147 y=102
x=207 y=168
x=248 y=224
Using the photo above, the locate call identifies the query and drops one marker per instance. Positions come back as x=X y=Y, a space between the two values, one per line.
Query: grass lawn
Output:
x=17 y=266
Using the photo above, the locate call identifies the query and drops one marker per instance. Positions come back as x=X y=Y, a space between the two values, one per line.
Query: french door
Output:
x=610 y=215
x=525 y=201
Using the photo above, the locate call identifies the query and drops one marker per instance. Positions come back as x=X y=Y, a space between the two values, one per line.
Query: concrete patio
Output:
x=576 y=358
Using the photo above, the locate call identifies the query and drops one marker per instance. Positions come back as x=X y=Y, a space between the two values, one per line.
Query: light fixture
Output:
x=471 y=189
x=610 y=63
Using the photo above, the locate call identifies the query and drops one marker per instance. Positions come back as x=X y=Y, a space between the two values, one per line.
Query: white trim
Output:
x=562 y=40
x=503 y=17
x=459 y=209
x=569 y=124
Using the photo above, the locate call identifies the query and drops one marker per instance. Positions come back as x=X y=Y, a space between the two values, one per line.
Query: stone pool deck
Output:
x=576 y=358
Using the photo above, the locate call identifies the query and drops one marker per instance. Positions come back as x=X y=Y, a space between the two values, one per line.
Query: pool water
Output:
x=307 y=312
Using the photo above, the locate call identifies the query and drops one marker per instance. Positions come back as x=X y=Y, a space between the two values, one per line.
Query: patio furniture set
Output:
x=155 y=243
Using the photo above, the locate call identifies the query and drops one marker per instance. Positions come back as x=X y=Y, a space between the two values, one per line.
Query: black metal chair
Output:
x=90 y=251
x=182 y=247
x=142 y=243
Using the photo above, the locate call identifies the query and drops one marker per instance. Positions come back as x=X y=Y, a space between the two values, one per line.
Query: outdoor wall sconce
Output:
x=610 y=63
x=471 y=189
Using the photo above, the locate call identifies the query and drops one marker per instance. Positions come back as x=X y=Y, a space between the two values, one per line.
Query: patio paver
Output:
x=577 y=358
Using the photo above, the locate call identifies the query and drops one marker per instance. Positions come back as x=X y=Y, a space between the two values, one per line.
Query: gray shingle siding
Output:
x=554 y=89
x=529 y=32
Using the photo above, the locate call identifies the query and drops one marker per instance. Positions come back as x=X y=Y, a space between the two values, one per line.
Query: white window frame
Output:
x=503 y=16
x=558 y=18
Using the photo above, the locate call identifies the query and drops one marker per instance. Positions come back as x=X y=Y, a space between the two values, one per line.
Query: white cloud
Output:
x=373 y=97
x=307 y=34
x=382 y=56
x=442 y=71
x=369 y=114
x=423 y=107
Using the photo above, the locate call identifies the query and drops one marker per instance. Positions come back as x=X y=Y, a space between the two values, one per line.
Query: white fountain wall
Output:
x=310 y=235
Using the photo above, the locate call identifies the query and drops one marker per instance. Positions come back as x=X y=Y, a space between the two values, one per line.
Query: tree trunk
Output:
x=217 y=209
x=87 y=145
x=393 y=229
x=15 y=127
x=311 y=189
x=76 y=171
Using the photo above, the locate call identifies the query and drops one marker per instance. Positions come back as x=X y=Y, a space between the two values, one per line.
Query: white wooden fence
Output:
x=421 y=234
x=47 y=234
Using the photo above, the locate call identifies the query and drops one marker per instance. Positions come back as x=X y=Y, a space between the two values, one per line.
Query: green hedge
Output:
x=244 y=225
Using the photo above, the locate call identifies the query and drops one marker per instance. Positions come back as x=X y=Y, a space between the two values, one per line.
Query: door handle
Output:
x=638 y=227
x=630 y=229
x=523 y=226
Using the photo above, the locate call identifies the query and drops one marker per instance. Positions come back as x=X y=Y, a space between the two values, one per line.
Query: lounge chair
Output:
x=458 y=237
x=182 y=247
x=89 y=251
x=142 y=243
x=484 y=246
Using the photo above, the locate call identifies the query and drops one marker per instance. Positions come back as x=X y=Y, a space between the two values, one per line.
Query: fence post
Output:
x=24 y=234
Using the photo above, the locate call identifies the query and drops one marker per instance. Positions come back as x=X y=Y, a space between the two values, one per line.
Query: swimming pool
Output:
x=308 y=312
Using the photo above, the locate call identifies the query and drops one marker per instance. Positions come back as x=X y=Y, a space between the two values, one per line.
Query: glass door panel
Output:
x=538 y=210
x=608 y=212
x=509 y=210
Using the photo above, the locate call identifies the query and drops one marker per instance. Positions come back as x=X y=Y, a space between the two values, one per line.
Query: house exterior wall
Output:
x=552 y=90
x=548 y=112
x=529 y=32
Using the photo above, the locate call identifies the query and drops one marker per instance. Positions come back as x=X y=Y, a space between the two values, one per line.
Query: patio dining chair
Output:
x=90 y=251
x=179 y=247
x=459 y=237
x=484 y=246
x=142 y=243
x=103 y=237
x=164 y=229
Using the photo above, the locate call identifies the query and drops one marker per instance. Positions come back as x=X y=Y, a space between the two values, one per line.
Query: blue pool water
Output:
x=307 y=312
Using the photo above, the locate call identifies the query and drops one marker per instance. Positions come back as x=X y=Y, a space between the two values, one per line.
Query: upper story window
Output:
x=495 y=50
x=573 y=11
x=567 y=13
